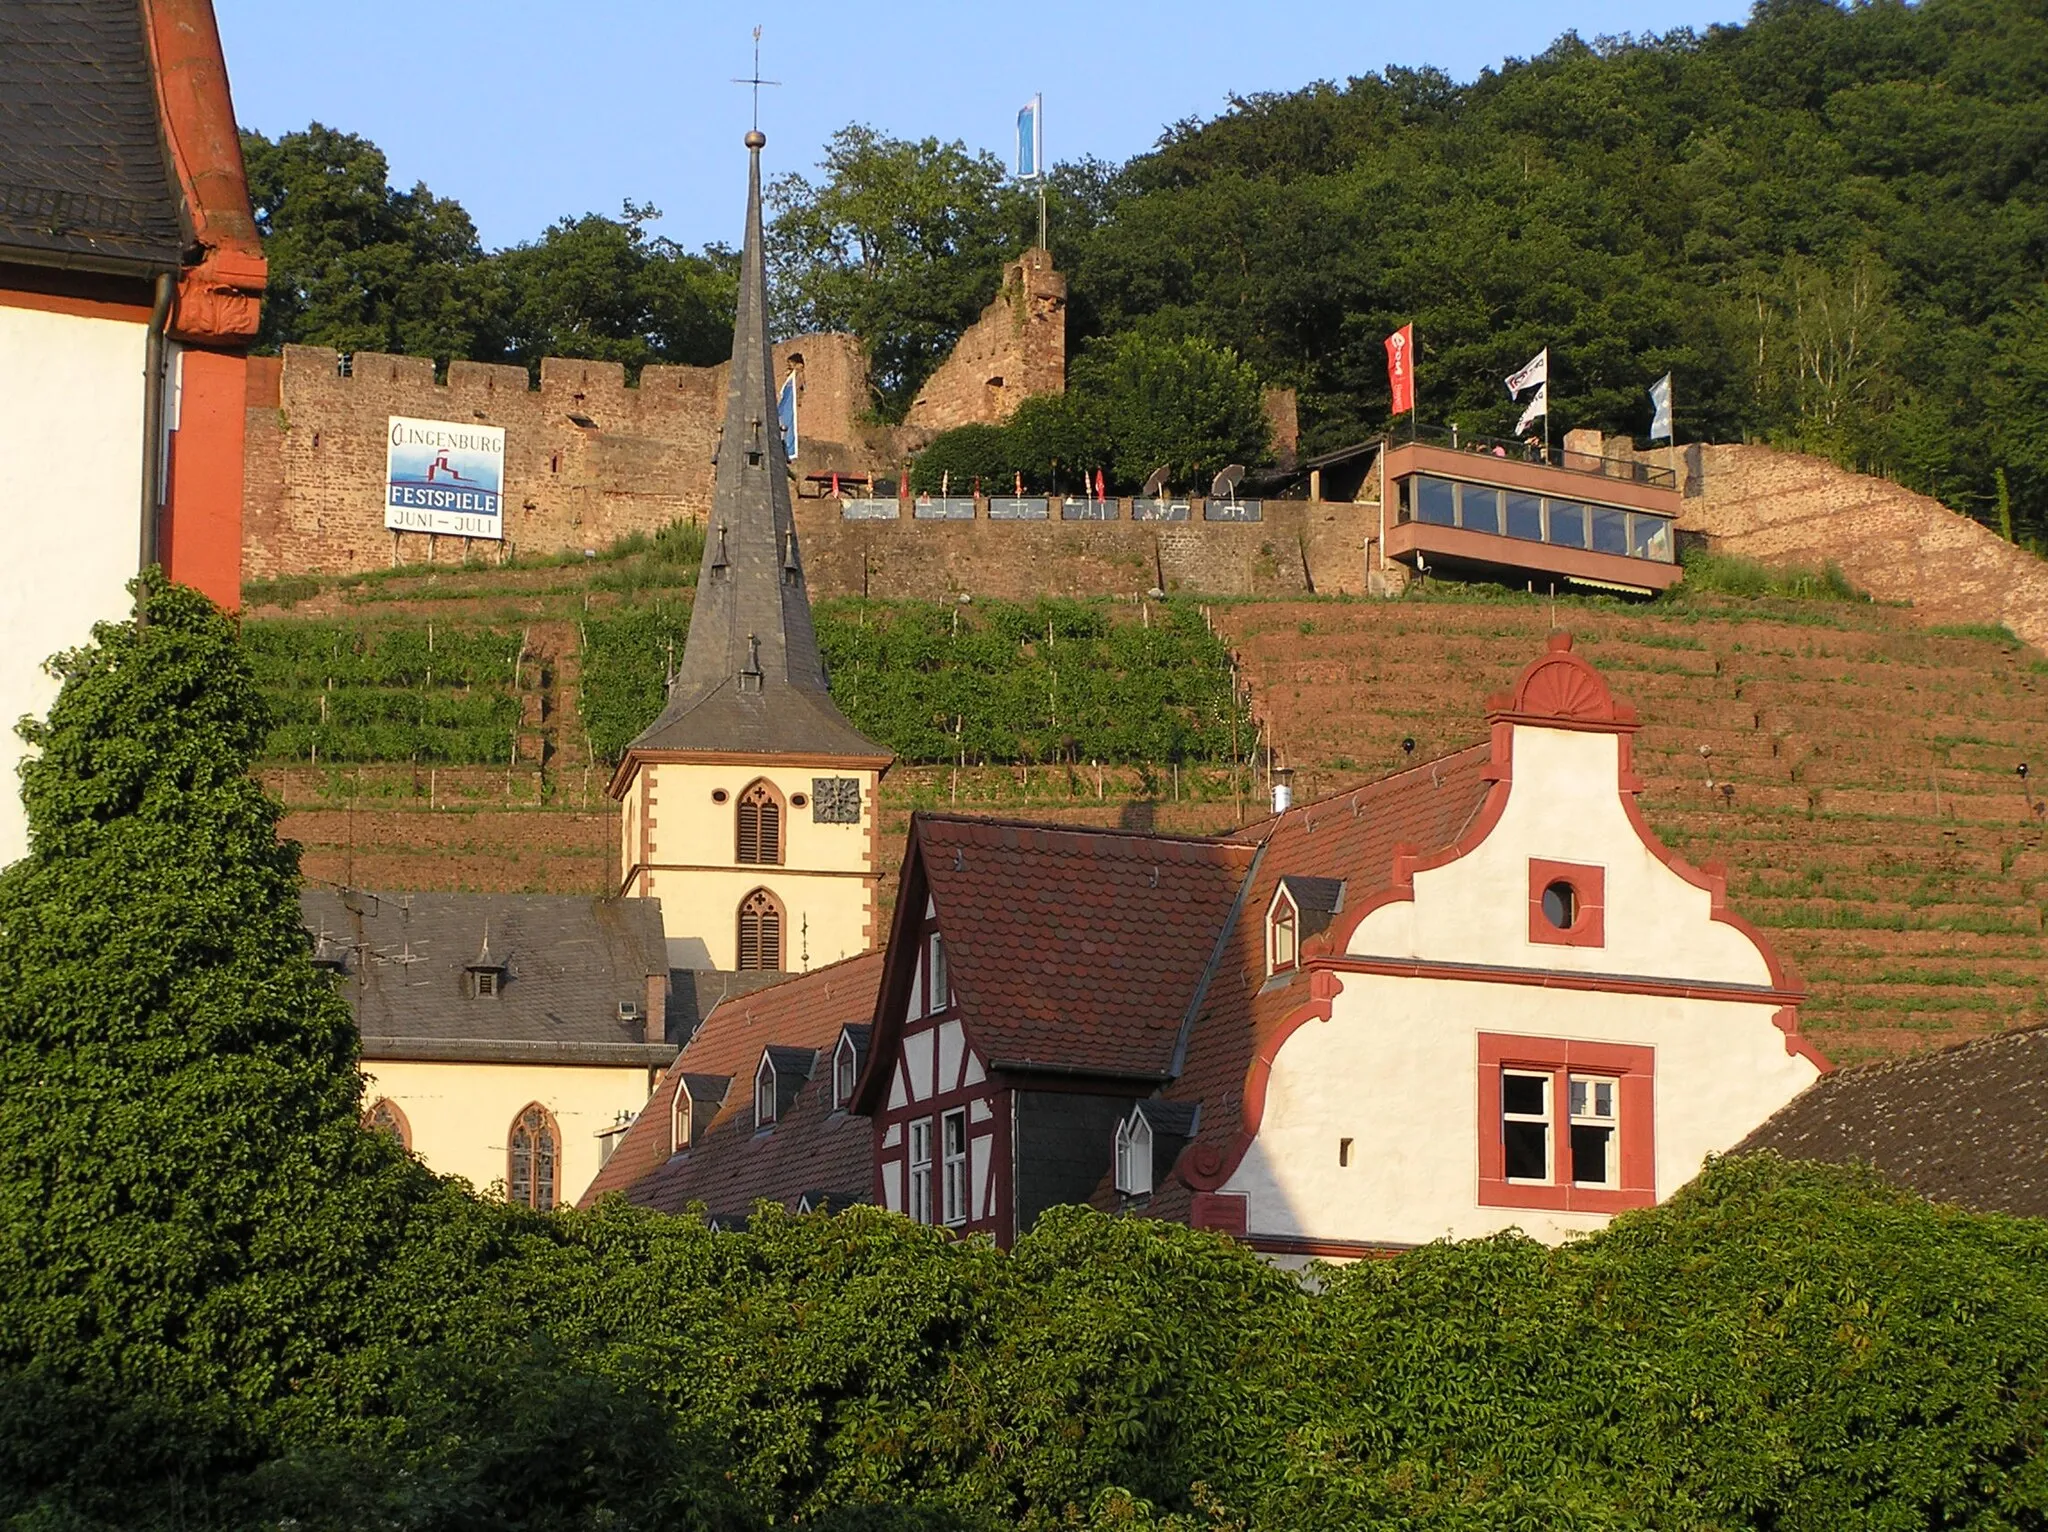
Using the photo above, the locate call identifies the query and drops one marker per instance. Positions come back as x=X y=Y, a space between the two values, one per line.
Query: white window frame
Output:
x=764 y=1104
x=954 y=1205
x=684 y=1109
x=1593 y=1117
x=1134 y=1156
x=845 y=1072
x=1547 y=1118
x=917 y=1180
x=1277 y=960
x=938 y=979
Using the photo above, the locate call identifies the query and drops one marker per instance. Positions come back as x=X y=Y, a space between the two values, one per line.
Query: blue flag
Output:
x=785 y=412
x=1030 y=140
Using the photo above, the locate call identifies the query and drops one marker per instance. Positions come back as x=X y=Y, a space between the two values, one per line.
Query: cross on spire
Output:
x=756 y=81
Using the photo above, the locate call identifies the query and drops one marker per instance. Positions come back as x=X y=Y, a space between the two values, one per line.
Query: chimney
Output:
x=1283 y=789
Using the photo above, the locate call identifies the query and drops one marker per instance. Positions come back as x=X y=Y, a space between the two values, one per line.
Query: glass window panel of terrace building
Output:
x=1434 y=502
x=1610 y=530
x=1525 y=517
x=1567 y=524
x=1649 y=537
x=1478 y=508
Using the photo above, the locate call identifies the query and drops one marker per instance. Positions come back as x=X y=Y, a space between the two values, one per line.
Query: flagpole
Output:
x=1546 y=404
x=1671 y=441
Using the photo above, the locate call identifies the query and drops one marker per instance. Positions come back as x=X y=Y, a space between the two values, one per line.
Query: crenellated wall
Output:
x=587 y=458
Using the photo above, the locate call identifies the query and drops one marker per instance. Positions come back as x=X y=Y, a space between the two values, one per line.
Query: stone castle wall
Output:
x=1017 y=348
x=587 y=459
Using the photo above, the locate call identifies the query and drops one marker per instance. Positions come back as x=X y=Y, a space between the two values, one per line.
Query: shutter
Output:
x=750 y=830
x=771 y=832
x=771 y=937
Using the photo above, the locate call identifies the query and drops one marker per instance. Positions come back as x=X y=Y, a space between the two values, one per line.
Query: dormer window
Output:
x=682 y=1126
x=1134 y=1155
x=483 y=983
x=847 y=1059
x=764 y=1093
x=1283 y=936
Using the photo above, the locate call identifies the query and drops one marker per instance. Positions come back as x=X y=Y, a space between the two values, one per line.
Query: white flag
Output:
x=1540 y=405
x=1537 y=372
x=1660 y=409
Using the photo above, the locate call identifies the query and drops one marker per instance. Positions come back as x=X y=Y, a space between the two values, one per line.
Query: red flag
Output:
x=1401 y=368
x=1101 y=486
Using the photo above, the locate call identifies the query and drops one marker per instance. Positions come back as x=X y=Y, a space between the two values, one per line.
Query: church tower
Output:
x=749 y=804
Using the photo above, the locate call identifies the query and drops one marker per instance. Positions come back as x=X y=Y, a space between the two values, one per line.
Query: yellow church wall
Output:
x=678 y=846
x=461 y=1114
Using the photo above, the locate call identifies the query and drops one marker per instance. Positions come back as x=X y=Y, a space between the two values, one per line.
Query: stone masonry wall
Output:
x=1017 y=348
x=1789 y=508
x=1301 y=546
x=587 y=459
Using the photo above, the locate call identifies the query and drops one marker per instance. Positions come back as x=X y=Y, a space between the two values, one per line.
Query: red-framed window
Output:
x=1567 y=904
x=1566 y=1125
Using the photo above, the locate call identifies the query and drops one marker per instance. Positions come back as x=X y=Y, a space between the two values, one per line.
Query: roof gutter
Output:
x=154 y=448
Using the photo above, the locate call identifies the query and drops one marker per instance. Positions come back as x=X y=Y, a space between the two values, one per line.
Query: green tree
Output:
x=1190 y=406
x=187 y=1202
x=901 y=243
x=602 y=287
x=356 y=264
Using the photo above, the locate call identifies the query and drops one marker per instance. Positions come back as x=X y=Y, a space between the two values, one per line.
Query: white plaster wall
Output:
x=461 y=1114
x=71 y=396
x=1396 y=1070
x=1563 y=805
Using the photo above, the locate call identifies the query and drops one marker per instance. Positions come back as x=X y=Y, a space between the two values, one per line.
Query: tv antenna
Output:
x=756 y=81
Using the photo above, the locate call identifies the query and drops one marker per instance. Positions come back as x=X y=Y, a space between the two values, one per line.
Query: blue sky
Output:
x=526 y=111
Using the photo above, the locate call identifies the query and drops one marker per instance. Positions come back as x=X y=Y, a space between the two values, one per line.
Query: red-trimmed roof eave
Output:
x=220 y=295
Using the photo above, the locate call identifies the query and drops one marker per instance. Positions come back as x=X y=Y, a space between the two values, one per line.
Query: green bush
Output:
x=432 y=693
x=999 y=683
x=965 y=460
x=1730 y=574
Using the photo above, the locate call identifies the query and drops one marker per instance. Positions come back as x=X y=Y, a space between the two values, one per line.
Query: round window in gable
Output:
x=719 y=795
x=798 y=800
x=1561 y=905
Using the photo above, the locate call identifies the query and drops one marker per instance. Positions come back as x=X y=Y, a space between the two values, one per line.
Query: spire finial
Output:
x=756 y=138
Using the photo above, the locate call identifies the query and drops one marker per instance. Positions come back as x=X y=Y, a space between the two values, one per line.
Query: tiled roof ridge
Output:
x=1870 y=1068
x=1221 y=841
x=1272 y=823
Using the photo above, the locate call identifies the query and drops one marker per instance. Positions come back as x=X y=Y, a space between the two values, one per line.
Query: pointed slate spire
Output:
x=751 y=682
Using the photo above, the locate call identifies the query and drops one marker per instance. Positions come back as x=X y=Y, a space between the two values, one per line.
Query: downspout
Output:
x=153 y=454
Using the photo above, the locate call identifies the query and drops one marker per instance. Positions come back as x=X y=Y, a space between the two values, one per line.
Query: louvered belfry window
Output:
x=760 y=932
x=534 y=1177
x=760 y=825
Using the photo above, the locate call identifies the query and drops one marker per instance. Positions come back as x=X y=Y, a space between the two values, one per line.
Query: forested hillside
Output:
x=1830 y=224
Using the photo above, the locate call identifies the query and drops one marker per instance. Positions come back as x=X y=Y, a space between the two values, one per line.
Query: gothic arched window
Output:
x=534 y=1162
x=385 y=1117
x=760 y=825
x=760 y=932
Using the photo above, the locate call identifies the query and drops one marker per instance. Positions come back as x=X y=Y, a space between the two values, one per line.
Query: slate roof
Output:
x=810 y=1150
x=568 y=963
x=751 y=680
x=83 y=169
x=1076 y=948
x=1967 y=1125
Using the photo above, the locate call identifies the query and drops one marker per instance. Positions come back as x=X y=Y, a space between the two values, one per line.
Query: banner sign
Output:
x=1660 y=409
x=443 y=477
x=1401 y=368
x=1537 y=372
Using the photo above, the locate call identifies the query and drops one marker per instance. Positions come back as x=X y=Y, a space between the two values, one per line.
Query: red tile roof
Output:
x=1351 y=836
x=1075 y=948
x=810 y=1149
